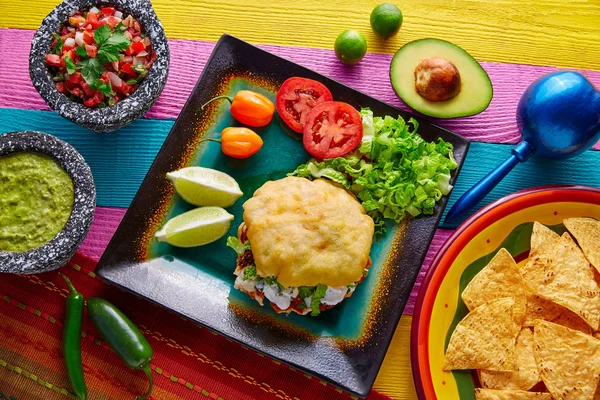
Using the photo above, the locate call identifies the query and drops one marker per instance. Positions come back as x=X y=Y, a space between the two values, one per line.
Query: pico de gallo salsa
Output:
x=100 y=56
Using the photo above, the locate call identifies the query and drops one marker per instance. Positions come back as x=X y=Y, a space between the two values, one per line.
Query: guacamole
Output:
x=36 y=199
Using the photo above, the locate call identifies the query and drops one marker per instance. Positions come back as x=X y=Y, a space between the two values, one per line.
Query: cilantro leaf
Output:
x=102 y=34
x=91 y=69
x=71 y=67
x=315 y=301
x=58 y=47
x=249 y=272
x=80 y=51
x=305 y=291
x=104 y=88
x=110 y=49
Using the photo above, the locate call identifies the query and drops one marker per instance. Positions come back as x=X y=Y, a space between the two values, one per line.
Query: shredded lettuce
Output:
x=395 y=173
x=250 y=272
x=239 y=247
x=315 y=301
x=305 y=291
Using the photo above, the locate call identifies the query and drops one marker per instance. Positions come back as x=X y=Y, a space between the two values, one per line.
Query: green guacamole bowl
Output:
x=47 y=202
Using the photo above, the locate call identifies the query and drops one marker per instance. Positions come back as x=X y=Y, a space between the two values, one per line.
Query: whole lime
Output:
x=350 y=46
x=386 y=20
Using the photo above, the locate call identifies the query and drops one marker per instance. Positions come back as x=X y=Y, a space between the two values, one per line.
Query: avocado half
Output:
x=476 y=88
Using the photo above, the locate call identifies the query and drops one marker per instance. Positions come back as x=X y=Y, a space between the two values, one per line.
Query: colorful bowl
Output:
x=506 y=223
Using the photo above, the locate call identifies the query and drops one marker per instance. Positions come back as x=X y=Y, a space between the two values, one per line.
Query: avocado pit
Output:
x=437 y=79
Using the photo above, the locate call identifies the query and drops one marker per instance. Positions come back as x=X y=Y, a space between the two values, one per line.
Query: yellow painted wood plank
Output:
x=395 y=377
x=539 y=32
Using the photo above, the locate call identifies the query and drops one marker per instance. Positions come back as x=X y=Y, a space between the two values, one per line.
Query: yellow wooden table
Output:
x=540 y=32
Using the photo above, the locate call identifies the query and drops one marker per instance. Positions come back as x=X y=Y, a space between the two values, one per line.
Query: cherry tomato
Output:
x=296 y=97
x=332 y=129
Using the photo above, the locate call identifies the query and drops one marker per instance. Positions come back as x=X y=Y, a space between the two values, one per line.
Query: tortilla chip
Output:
x=489 y=394
x=485 y=338
x=500 y=278
x=587 y=233
x=571 y=320
x=543 y=239
x=540 y=308
x=568 y=361
x=526 y=374
x=565 y=277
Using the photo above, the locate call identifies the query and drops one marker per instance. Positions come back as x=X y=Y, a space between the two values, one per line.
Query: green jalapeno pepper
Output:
x=122 y=336
x=72 y=340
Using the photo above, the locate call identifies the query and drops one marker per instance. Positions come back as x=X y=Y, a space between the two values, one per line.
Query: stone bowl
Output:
x=125 y=111
x=58 y=251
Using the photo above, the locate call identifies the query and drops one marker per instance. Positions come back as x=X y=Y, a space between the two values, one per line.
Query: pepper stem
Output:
x=210 y=140
x=216 y=98
x=71 y=287
x=148 y=371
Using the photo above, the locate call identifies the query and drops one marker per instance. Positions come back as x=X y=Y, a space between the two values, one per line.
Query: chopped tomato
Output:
x=296 y=97
x=60 y=86
x=332 y=129
x=92 y=19
x=91 y=50
x=94 y=100
x=110 y=21
x=108 y=10
x=127 y=69
x=88 y=37
x=138 y=47
x=76 y=78
x=53 y=60
x=65 y=54
x=129 y=51
x=86 y=88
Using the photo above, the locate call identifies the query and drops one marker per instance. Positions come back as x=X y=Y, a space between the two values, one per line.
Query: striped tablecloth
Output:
x=515 y=41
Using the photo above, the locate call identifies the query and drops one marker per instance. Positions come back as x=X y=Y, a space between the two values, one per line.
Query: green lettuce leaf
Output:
x=239 y=247
x=315 y=302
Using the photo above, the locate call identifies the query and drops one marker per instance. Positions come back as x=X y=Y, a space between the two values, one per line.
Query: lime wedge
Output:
x=196 y=227
x=205 y=187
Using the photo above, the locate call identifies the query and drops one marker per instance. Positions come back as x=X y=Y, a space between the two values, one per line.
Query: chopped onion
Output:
x=70 y=42
x=142 y=53
x=79 y=38
x=118 y=14
x=128 y=34
x=139 y=60
x=127 y=21
x=114 y=79
x=115 y=65
x=94 y=10
x=146 y=41
x=127 y=59
x=137 y=38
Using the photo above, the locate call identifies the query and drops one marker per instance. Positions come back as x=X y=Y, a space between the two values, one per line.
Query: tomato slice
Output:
x=332 y=129
x=296 y=97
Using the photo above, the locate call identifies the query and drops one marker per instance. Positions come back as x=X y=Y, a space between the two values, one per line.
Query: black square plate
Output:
x=344 y=346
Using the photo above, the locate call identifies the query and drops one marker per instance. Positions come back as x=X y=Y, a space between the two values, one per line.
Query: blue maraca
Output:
x=559 y=117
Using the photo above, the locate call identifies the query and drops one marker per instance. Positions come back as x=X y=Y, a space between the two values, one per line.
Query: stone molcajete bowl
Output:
x=124 y=112
x=61 y=248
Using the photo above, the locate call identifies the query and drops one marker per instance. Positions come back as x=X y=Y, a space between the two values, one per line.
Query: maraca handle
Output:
x=473 y=196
